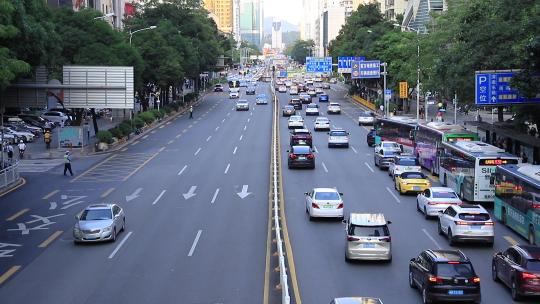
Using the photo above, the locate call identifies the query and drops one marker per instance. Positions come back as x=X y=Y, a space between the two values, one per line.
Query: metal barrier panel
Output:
x=9 y=175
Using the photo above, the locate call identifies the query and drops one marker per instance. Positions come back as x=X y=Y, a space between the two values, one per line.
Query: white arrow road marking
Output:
x=354 y=150
x=324 y=167
x=197 y=152
x=234 y=152
x=393 y=195
x=191 y=193
x=227 y=169
x=159 y=197
x=182 y=171
x=215 y=196
x=120 y=245
x=244 y=193
x=53 y=205
x=369 y=167
x=195 y=243
x=134 y=195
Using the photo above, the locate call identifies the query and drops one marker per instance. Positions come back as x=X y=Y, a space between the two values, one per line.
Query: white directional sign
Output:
x=244 y=193
x=134 y=195
x=191 y=193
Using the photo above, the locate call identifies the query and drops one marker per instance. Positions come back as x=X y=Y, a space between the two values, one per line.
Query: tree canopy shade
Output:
x=300 y=50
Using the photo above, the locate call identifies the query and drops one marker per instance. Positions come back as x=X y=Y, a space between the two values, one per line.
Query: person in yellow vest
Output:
x=47 y=138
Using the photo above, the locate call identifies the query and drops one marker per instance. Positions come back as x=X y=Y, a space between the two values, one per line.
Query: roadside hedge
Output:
x=105 y=136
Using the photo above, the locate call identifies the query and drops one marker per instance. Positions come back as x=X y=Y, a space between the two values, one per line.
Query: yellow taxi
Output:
x=411 y=182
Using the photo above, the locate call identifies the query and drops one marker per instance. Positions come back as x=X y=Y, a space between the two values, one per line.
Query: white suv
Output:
x=403 y=163
x=368 y=237
x=466 y=223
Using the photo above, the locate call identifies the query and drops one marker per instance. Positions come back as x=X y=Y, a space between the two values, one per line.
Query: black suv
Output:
x=444 y=275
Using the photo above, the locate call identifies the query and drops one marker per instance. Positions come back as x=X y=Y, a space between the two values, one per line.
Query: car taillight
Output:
x=313 y=205
x=340 y=206
x=434 y=279
x=385 y=239
x=461 y=223
x=476 y=280
x=292 y=156
x=352 y=238
x=528 y=276
x=490 y=223
x=310 y=156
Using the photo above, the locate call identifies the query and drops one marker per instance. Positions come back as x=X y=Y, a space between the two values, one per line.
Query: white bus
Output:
x=467 y=167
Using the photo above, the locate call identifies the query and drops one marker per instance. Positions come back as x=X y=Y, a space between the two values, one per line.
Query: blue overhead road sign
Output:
x=282 y=73
x=369 y=69
x=493 y=88
x=345 y=63
x=318 y=64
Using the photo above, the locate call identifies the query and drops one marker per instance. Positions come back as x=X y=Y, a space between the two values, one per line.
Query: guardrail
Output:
x=9 y=175
x=283 y=278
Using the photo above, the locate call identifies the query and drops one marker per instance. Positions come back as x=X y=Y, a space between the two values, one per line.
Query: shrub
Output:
x=105 y=136
x=175 y=106
x=191 y=96
x=157 y=113
x=125 y=127
x=138 y=123
x=116 y=132
x=147 y=117
x=166 y=109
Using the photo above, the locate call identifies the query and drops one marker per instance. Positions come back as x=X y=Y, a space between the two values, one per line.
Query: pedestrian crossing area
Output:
x=39 y=165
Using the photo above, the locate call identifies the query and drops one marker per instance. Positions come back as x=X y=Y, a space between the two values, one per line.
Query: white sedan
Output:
x=242 y=105
x=322 y=123
x=282 y=89
x=338 y=138
x=334 y=108
x=366 y=118
x=295 y=121
x=436 y=199
x=312 y=109
x=324 y=202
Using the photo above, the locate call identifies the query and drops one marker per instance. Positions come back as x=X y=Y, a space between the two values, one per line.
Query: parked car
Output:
x=22 y=135
x=518 y=267
x=55 y=117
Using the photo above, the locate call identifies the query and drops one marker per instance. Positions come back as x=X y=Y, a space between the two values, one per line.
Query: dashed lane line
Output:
x=195 y=241
x=431 y=238
x=106 y=193
x=215 y=196
x=324 y=167
x=4 y=277
x=170 y=142
x=234 y=151
x=227 y=169
x=197 y=152
x=46 y=197
x=208 y=138
x=182 y=171
x=50 y=239
x=369 y=167
x=16 y=215
x=354 y=150
x=159 y=197
x=393 y=195
x=241 y=136
x=145 y=137
x=217 y=128
x=120 y=245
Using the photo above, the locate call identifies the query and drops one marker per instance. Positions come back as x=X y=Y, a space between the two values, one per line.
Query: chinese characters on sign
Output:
x=368 y=69
x=493 y=88
x=318 y=64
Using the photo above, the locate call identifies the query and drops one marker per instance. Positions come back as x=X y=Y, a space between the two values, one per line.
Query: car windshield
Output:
x=390 y=145
x=365 y=115
x=96 y=214
x=321 y=120
x=375 y=231
x=301 y=150
x=326 y=196
x=407 y=162
x=533 y=265
x=454 y=270
x=474 y=216
x=288 y=107
x=334 y=104
x=298 y=118
x=413 y=175
x=338 y=133
x=444 y=194
x=312 y=106
x=391 y=153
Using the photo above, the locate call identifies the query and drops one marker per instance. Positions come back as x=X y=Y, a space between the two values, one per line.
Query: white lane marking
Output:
x=227 y=169
x=369 y=167
x=354 y=150
x=324 y=167
x=368 y=154
x=120 y=245
x=194 y=243
x=365 y=128
x=234 y=152
x=249 y=119
x=223 y=120
x=393 y=195
x=208 y=138
x=431 y=238
x=315 y=149
x=241 y=136
x=215 y=196
x=170 y=142
x=159 y=197
x=229 y=114
x=184 y=131
x=245 y=127
x=197 y=152
x=217 y=128
x=182 y=171
x=145 y=137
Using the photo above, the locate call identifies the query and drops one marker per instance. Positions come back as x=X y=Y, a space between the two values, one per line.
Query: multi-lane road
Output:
x=195 y=193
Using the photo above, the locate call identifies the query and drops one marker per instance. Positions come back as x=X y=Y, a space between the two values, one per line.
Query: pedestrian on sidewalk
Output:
x=381 y=107
x=190 y=112
x=67 y=163
x=10 y=153
x=47 y=139
x=524 y=158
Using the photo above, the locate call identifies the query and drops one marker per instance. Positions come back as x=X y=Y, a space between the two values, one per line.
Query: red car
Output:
x=301 y=137
x=518 y=267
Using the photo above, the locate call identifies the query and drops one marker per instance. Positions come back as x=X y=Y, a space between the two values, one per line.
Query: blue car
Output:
x=323 y=98
x=262 y=99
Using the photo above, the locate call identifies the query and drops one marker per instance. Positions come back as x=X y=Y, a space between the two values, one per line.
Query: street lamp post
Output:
x=104 y=16
x=140 y=30
x=385 y=102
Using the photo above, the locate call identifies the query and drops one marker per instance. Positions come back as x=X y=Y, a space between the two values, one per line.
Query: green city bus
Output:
x=517 y=199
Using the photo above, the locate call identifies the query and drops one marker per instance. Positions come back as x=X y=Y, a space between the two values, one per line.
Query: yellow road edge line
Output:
x=23 y=182
x=93 y=167
x=106 y=193
x=139 y=167
x=50 y=239
x=50 y=194
x=9 y=273
x=16 y=215
x=510 y=240
x=290 y=256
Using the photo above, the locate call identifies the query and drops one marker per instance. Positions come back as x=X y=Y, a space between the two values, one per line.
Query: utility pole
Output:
x=386 y=103
x=455 y=108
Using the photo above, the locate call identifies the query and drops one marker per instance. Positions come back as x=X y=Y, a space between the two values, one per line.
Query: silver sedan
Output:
x=99 y=222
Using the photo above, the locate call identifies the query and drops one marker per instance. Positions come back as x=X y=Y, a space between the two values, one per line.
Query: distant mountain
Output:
x=285 y=26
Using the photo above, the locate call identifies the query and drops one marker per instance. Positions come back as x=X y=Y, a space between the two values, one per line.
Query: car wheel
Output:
x=514 y=292
x=124 y=225
x=411 y=281
x=426 y=216
x=399 y=190
x=494 y=274
x=451 y=241
x=531 y=236
x=425 y=298
x=418 y=206
x=113 y=239
x=503 y=216
x=439 y=228
x=347 y=260
x=375 y=161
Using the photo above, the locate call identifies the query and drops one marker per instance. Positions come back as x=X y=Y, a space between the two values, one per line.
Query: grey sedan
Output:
x=99 y=222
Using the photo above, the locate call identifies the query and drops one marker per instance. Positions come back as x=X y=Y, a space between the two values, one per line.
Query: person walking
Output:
x=67 y=163
x=190 y=112
x=10 y=153
x=47 y=139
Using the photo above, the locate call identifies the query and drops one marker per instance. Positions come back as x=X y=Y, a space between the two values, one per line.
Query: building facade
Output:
x=113 y=10
x=277 y=35
x=391 y=8
x=251 y=21
x=417 y=13
x=222 y=13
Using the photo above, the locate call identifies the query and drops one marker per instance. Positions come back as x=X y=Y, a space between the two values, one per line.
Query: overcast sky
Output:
x=289 y=10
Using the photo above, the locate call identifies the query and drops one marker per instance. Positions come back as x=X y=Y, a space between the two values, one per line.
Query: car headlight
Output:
x=107 y=229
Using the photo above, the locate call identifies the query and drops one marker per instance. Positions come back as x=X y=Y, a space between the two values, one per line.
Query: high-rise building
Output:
x=417 y=13
x=112 y=10
x=331 y=21
x=222 y=13
x=277 y=35
x=391 y=8
x=251 y=21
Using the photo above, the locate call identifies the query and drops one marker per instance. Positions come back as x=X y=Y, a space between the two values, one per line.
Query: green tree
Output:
x=300 y=50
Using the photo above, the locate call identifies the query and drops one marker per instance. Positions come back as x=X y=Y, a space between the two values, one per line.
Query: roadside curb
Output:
x=21 y=182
